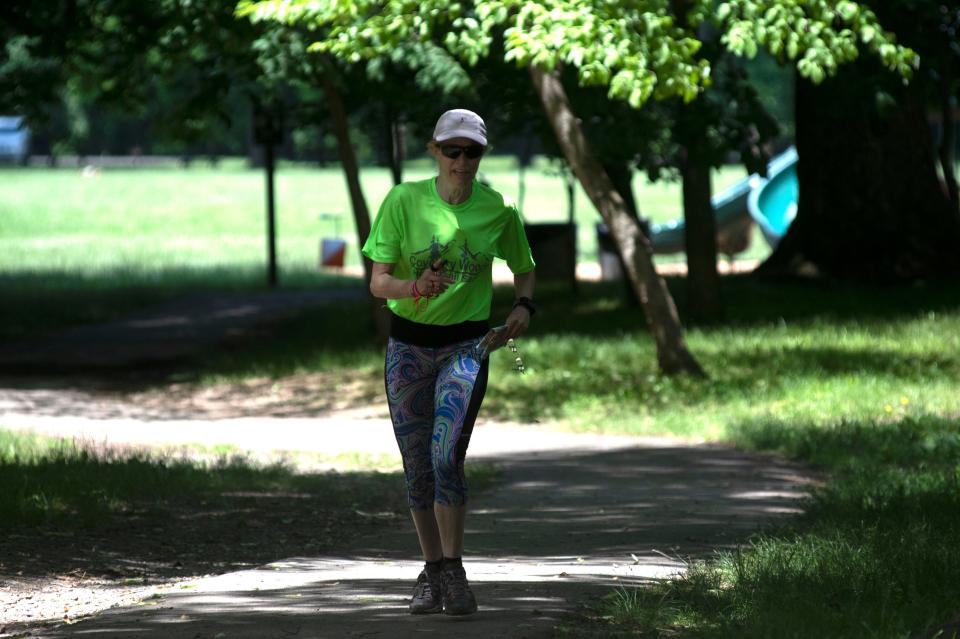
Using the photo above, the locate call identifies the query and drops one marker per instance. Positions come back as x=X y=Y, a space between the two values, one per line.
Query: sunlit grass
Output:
x=151 y=220
x=77 y=249
x=810 y=369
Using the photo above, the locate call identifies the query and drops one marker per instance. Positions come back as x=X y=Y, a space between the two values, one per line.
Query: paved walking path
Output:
x=564 y=525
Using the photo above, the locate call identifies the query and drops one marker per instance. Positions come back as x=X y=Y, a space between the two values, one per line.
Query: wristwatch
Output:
x=527 y=303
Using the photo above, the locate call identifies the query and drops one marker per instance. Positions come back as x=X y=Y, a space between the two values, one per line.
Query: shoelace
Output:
x=424 y=580
x=456 y=582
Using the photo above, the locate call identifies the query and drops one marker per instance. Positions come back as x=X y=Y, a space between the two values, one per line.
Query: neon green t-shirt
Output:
x=415 y=227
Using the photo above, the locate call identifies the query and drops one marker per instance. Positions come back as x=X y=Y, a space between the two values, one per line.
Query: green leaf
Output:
x=793 y=46
x=848 y=10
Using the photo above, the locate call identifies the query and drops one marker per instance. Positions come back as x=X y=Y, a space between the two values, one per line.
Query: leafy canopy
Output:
x=638 y=49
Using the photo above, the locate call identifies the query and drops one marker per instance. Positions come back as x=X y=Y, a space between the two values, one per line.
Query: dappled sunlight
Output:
x=563 y=525
x=348 y=597
x=355 y=393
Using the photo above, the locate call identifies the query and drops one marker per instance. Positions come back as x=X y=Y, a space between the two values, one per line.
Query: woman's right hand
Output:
x=431 y=283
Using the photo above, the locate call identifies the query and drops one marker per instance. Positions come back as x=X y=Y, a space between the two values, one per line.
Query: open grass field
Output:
x=76 y=247
x=142 y=221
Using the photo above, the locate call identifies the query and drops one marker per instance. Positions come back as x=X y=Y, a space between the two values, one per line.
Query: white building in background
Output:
x=14 y=139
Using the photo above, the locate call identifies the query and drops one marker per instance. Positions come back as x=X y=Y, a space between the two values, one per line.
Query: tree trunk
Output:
x=673 y=356
x=871 y=205
x=700 y=226
x=704 y=303
x=395 y=150
x=948 y=135
x=361 y=215
x=621 y=175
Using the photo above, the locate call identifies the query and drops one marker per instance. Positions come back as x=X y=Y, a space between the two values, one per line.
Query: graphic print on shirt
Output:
x=464 y=268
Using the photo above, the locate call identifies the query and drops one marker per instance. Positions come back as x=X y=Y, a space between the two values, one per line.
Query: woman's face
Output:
x=460 y=170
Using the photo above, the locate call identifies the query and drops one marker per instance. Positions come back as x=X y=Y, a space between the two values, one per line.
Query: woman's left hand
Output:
x=518 y=321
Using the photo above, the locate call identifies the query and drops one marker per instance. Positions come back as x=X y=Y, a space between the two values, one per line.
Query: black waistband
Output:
x=435 y=335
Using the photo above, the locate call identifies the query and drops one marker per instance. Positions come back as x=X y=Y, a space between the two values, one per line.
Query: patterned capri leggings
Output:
x=434 y=396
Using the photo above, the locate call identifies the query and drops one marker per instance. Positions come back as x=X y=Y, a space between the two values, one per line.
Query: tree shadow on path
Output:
x=563 y=526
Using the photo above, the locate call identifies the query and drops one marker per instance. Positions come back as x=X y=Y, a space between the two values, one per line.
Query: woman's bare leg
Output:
x=428 y=532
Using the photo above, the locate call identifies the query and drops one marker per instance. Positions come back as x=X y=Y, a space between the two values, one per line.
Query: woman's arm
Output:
x=385 y=286
x=519 y=319
x=523 y=284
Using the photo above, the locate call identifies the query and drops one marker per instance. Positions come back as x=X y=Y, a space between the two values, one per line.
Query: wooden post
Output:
x=268 y=131
x=271 y=218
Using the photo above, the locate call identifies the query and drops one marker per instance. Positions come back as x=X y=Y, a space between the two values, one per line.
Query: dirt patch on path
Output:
x=305 y=395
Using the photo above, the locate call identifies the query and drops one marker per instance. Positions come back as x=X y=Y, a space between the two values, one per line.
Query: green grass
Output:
x=591 y=364
x=77 y=249
x=876 y=554
x=149 y=220
x=50 y=481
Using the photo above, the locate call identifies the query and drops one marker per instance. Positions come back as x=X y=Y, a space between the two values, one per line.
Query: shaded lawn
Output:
x=136 y=514
x=875 y=555
x=46 y=300
x=786 y=351
x=129 y=513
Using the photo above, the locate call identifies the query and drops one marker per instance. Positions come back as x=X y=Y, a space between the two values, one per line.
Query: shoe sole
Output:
x=426 y=611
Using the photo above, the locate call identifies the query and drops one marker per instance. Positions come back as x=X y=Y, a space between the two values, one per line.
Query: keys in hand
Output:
x=495 y=338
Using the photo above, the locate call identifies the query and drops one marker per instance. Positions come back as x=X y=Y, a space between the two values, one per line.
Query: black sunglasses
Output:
x=453 y=151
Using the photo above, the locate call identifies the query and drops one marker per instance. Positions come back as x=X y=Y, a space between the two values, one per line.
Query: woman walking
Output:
x=432 y=246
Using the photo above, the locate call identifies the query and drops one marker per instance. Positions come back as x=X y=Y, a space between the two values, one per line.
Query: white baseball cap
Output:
x=460 y=123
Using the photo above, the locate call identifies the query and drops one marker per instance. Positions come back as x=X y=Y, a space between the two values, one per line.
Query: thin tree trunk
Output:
x=700 y=226
x=948 y=136
x=621 y=175
x=673 y=356
x=361 y=214
x=699 y=235
x=394 y=131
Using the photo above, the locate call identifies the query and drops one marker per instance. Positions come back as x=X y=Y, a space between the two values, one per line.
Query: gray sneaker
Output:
x=458 y=599
x=427 y=598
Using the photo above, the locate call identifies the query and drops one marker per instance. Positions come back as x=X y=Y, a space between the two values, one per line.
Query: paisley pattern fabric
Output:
x=434 y=396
